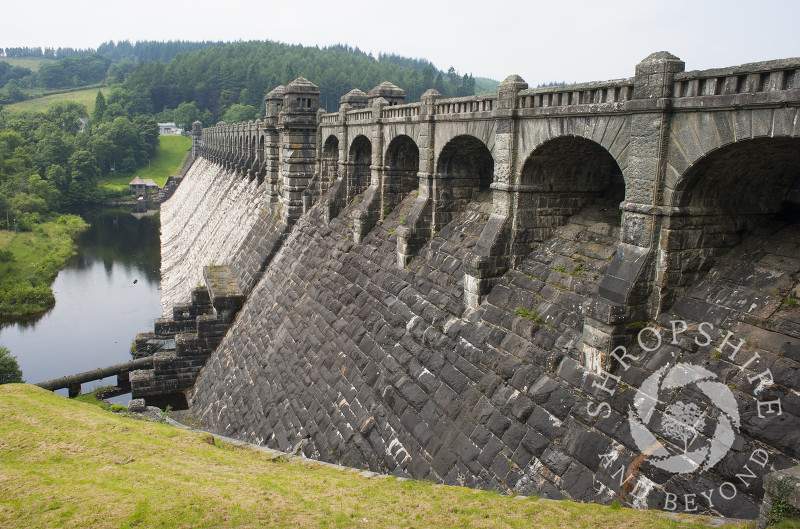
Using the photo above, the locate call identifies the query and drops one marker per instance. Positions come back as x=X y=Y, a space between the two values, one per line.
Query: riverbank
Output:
x=69 y=464
x=30 y=261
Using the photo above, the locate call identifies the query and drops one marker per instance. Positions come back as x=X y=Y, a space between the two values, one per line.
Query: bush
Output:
x=26 y=221
x=6 y=255
x=9 y=368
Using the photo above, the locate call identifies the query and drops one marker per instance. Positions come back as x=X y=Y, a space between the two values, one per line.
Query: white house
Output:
x=169 y=128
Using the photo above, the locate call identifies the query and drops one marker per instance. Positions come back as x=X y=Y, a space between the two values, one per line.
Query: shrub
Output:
x=9 y=368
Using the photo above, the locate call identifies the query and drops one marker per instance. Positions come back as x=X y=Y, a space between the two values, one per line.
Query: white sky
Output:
x=573 y=40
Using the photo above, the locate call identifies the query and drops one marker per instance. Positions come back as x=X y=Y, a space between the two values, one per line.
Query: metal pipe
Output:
x=97 y=374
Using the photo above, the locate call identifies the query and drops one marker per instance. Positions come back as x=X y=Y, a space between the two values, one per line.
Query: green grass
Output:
x=34 y=259
x=31 y=63
x=70 y=464
x=84 y=96
x=168 y=160
x=532 y=314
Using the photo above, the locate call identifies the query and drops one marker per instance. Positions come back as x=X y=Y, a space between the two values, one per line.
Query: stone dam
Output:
x=584 y=291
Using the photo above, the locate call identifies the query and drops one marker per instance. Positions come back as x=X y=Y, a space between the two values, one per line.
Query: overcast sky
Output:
x=574 y=40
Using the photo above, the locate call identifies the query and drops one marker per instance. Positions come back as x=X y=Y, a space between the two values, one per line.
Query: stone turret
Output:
x=301 y=96
x=297 y=130
x=273 y=101
x=197 y=135
x=393 y=94
x=355 y=98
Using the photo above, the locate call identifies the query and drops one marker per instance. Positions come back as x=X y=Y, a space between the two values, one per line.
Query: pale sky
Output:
x=542 y=41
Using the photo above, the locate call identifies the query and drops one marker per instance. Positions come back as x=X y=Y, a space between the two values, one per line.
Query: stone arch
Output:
x=360 y=160
x=262 y=158
x=562 y=176
x=465 y=166
x=329 y=164
x=402 y=164
x=730 y=191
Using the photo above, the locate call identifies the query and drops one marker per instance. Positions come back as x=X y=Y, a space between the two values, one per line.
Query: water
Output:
x=104 y=296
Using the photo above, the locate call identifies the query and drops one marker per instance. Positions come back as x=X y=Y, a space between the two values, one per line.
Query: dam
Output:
x=584 y=291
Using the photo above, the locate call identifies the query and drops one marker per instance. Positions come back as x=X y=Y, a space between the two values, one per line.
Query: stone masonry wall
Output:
x=342 y=353
x=207 y=222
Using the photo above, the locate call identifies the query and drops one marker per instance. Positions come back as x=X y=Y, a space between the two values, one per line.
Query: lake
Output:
x=105 y=295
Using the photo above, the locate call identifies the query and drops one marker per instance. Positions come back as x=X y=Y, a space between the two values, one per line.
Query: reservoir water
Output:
x=105 y=295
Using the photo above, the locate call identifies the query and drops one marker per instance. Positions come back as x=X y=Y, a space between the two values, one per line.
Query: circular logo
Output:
x=681 y=421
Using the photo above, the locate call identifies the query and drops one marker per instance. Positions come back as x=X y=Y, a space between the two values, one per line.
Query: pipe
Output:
x=97 y=374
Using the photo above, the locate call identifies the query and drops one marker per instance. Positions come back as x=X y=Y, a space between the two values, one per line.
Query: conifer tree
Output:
x=99 y=107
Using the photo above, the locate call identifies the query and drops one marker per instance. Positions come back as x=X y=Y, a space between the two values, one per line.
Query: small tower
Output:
x=297 y=127
x=355 y=98
x=273 y=102
x=393 y=94
x=197 y=138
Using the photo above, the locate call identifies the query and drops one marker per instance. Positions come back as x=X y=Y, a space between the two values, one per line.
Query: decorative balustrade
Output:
x=577 y=94
x=463 y=105
x=771 y=76
x=332 y=118
x=359 y=115
x=401 y=111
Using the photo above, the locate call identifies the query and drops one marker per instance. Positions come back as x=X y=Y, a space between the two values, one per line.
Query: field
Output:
x=69 y=464
x=169 y=157
x=84 y=96
x=31 y=63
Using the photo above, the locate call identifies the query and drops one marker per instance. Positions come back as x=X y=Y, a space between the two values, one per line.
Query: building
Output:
x=141 y=188
x=169 y=128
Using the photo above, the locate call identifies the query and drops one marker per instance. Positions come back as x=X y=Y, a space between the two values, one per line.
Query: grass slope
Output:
x=168 y=160
x=31 y=63
x=84 y=96
x=69 y=464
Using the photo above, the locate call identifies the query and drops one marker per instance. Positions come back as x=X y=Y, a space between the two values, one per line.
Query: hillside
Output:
x=31 y=63
x=68 y=464
x=243 y=72
x=84 y=97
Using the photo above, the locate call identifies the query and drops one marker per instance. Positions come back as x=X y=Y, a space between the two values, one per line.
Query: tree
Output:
x=186 y=114
x=238 y=112
x=99 y=106
x=10 y=372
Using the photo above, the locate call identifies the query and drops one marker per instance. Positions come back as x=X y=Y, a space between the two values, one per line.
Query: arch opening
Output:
x=751 y=186
x=564 y=176
x=466 y=168
x=329 y=164
x=360 y=161
x=402 y=164
x=262 y=157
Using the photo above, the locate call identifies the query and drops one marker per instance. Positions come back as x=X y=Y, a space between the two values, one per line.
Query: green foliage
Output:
x=9 y=368
x=218 y=77
x=33 y=261
x=238 y=113
x=99 y=106
x=782 y=513
x=186 y=114
x=164 y=414
x=532 y=315
x=790 y=300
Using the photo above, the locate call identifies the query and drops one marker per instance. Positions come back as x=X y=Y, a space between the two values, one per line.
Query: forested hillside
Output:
x=219 y=77
x=222 y=80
